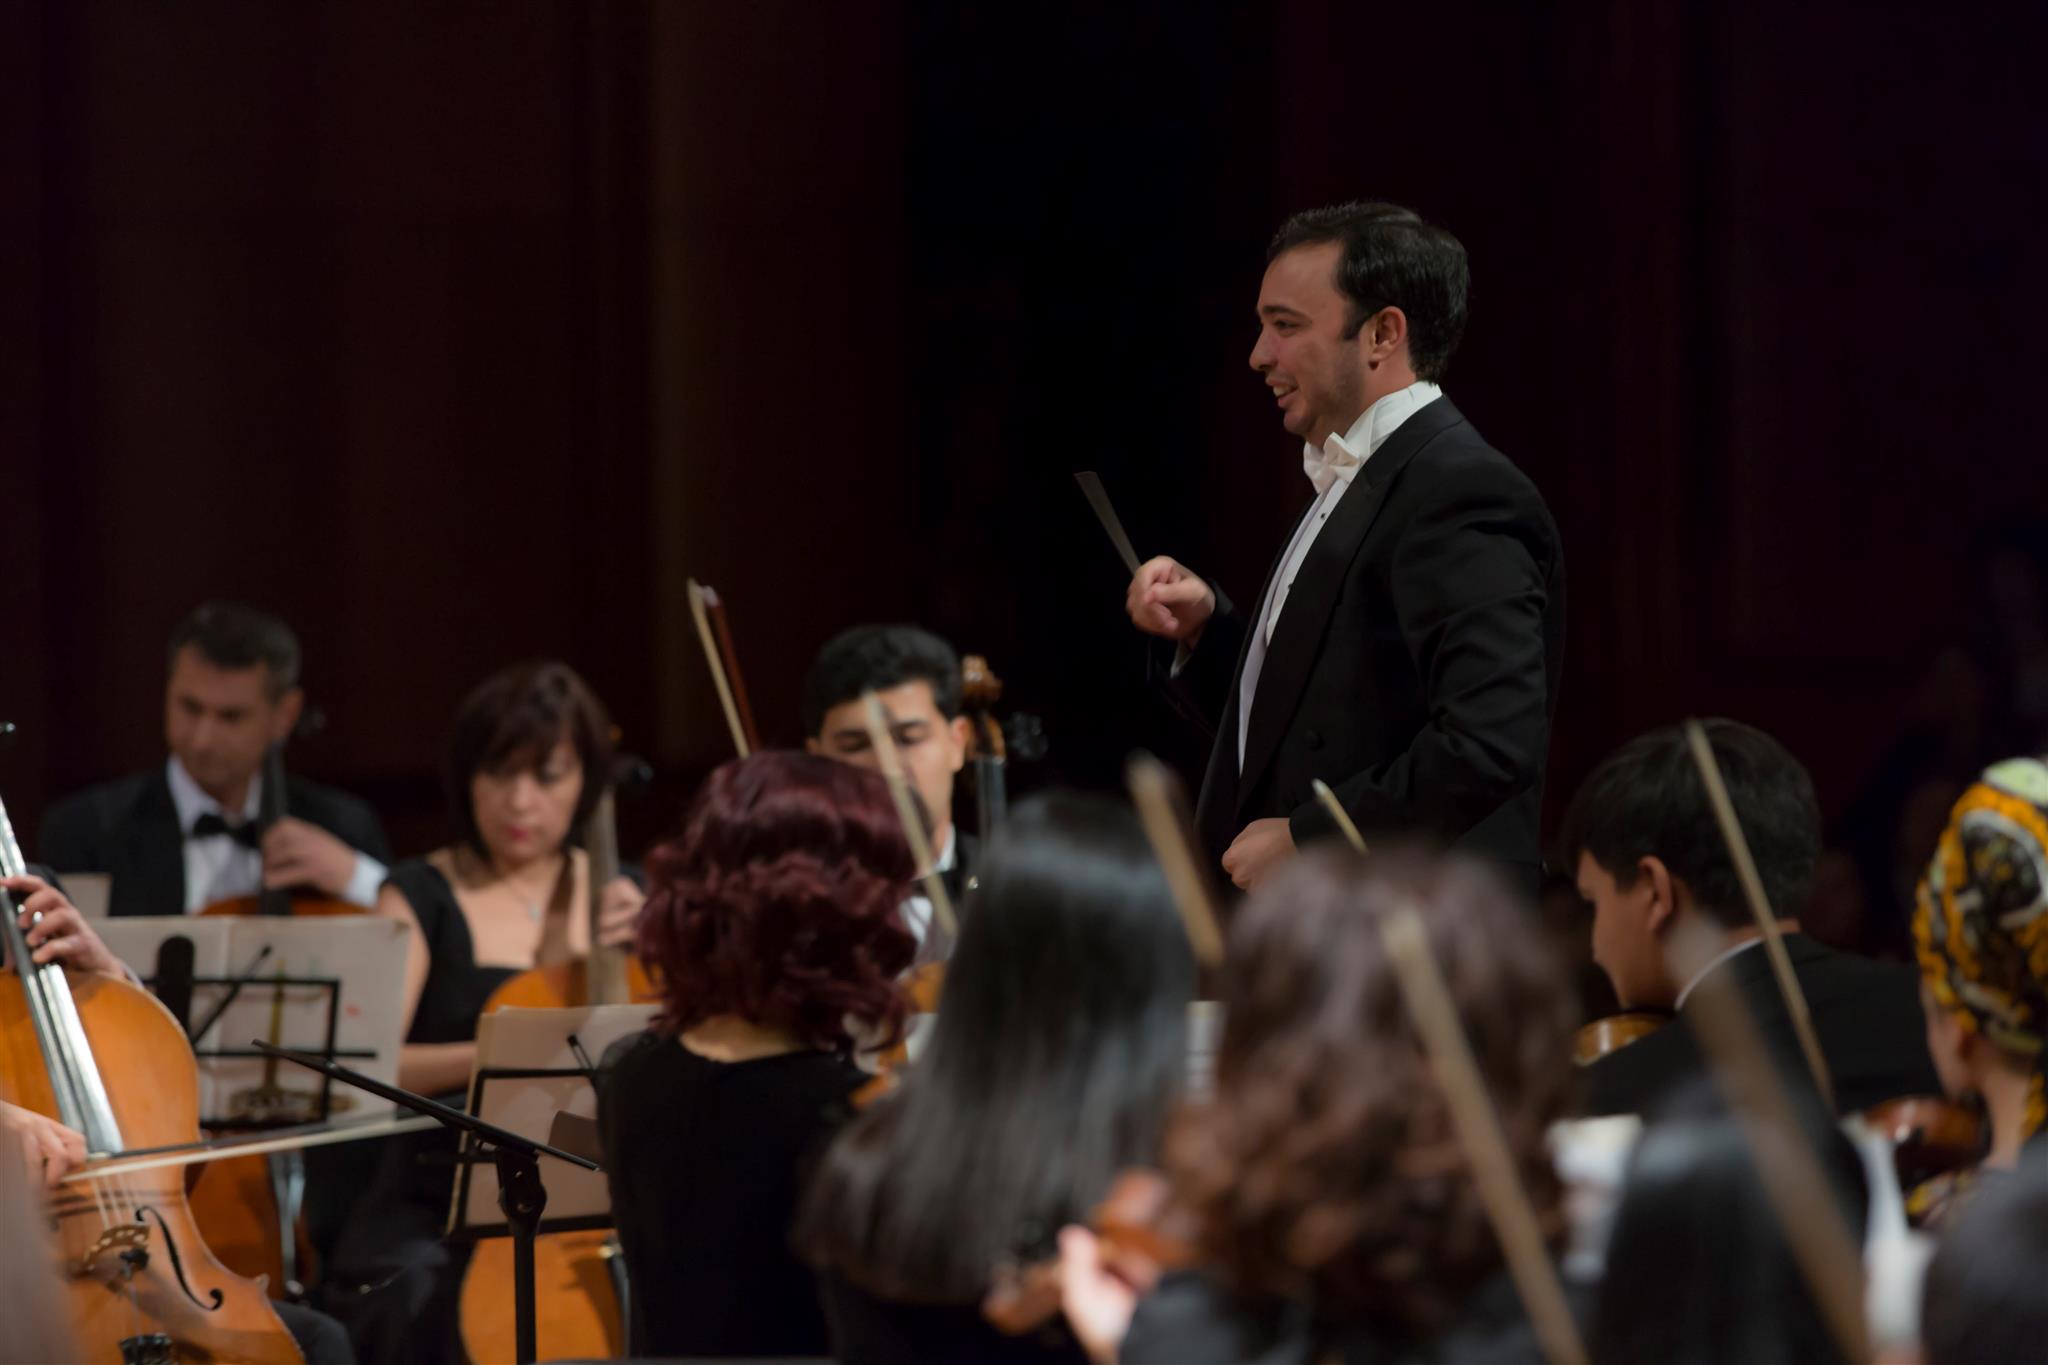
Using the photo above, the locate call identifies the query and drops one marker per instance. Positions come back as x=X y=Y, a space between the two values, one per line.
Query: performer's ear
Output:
x=1385 y=336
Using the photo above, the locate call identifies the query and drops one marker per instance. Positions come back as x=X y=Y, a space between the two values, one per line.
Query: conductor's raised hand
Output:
x=1166 y=600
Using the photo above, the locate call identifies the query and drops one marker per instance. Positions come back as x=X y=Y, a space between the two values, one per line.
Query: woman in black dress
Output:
x=510 y=893
x=1059 y=1047
x=1334 y=1213
x=774 y=927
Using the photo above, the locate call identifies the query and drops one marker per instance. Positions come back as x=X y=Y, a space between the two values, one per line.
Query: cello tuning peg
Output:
x=312 y=721
x=631 y=773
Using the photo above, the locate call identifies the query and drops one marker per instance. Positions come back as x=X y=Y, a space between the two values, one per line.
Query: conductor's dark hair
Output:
x=1983 y=1297
x=233 y=636
x=1699 y=1270
x=1646 y=800
x=513 y=721
x=1059 y=1047
x=1391 y=258
x=875 y=659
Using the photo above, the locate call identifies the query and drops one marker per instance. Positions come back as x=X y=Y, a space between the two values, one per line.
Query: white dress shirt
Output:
x=1718 y=959
x=1347 y=455
x=218 y=868
x=917 y=911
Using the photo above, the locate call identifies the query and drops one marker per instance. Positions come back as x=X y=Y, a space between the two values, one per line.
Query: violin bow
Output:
x=1478 y=1128
x=1340 y=815
x=1759 y=906
x=1822 y=1246
x=906 y=810
x=716 y=637
x=1156 y=793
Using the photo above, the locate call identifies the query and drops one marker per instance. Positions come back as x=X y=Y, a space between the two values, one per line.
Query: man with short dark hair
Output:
x=183 y=837
x=1407 y=646
x=917 y=677
x=1649 y=857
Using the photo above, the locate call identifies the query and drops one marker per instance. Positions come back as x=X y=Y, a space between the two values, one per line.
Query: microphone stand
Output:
x=520 y=1194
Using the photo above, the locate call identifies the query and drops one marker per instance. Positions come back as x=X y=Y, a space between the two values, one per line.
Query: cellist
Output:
x=183 y=837
x=509 y=893
x=57 y=932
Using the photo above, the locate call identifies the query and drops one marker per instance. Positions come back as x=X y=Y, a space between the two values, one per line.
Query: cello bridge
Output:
x=122 y=1239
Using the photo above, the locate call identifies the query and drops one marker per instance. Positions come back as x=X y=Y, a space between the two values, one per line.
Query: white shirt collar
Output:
x=193 y=802
x=1716 y=961
x=949 y=852
x=1347 y=453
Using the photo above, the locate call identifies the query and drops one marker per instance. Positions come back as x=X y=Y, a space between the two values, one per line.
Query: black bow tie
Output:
x=212 y=825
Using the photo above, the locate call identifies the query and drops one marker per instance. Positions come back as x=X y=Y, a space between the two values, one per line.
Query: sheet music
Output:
x=365 y=953
x=538 y=1040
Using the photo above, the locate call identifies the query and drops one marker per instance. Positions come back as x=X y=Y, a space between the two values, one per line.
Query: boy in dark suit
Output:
x=1408 y=643
x=1649 y=857
x=179 y=838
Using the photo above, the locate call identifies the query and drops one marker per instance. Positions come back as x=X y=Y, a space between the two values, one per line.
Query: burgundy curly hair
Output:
x=780 y=903
x=1324 y=1168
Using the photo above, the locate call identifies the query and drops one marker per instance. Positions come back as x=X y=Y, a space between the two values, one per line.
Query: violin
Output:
x=1613 y=1032
x=1144 y=1234
x=106 y=1058
x=1929 y=1135
x=579 y=1277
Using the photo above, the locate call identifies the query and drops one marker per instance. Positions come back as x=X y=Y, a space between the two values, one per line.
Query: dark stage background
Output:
x=464 y=333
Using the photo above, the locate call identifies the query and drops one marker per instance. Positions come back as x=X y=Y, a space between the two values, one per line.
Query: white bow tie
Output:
x=1326 y=466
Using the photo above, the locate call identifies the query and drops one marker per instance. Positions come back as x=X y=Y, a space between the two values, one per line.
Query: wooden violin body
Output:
x=140 y=1280
x=1604 y=1035
x=1143 y=1234
x=1930 y=1136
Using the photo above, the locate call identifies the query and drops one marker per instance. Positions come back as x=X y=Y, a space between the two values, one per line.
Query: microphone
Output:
x=173 y=981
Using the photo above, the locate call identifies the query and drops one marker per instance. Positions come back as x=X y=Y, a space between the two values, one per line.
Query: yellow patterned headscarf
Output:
x=1980 y=926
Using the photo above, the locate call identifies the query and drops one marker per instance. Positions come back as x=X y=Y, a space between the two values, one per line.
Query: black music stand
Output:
x=520 y=1193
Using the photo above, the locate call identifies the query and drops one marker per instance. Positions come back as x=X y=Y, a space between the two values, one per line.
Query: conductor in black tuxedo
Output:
x=181 y=837
x=1407 y=645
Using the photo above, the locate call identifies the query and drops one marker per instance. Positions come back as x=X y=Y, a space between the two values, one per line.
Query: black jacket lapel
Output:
x=156 y=855
x=1298 y=636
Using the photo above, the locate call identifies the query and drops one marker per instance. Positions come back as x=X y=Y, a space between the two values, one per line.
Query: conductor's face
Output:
x=1316 y=373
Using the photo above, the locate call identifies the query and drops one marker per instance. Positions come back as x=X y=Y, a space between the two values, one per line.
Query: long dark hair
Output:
x=1698 y=1267
x=1059 y=1047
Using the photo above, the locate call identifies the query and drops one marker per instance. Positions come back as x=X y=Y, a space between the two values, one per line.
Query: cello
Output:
x=580 y=1290
x=250 y=1207
x=106 y=1058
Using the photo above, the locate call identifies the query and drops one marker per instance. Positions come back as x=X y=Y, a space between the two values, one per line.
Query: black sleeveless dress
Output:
x=391 y=1279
